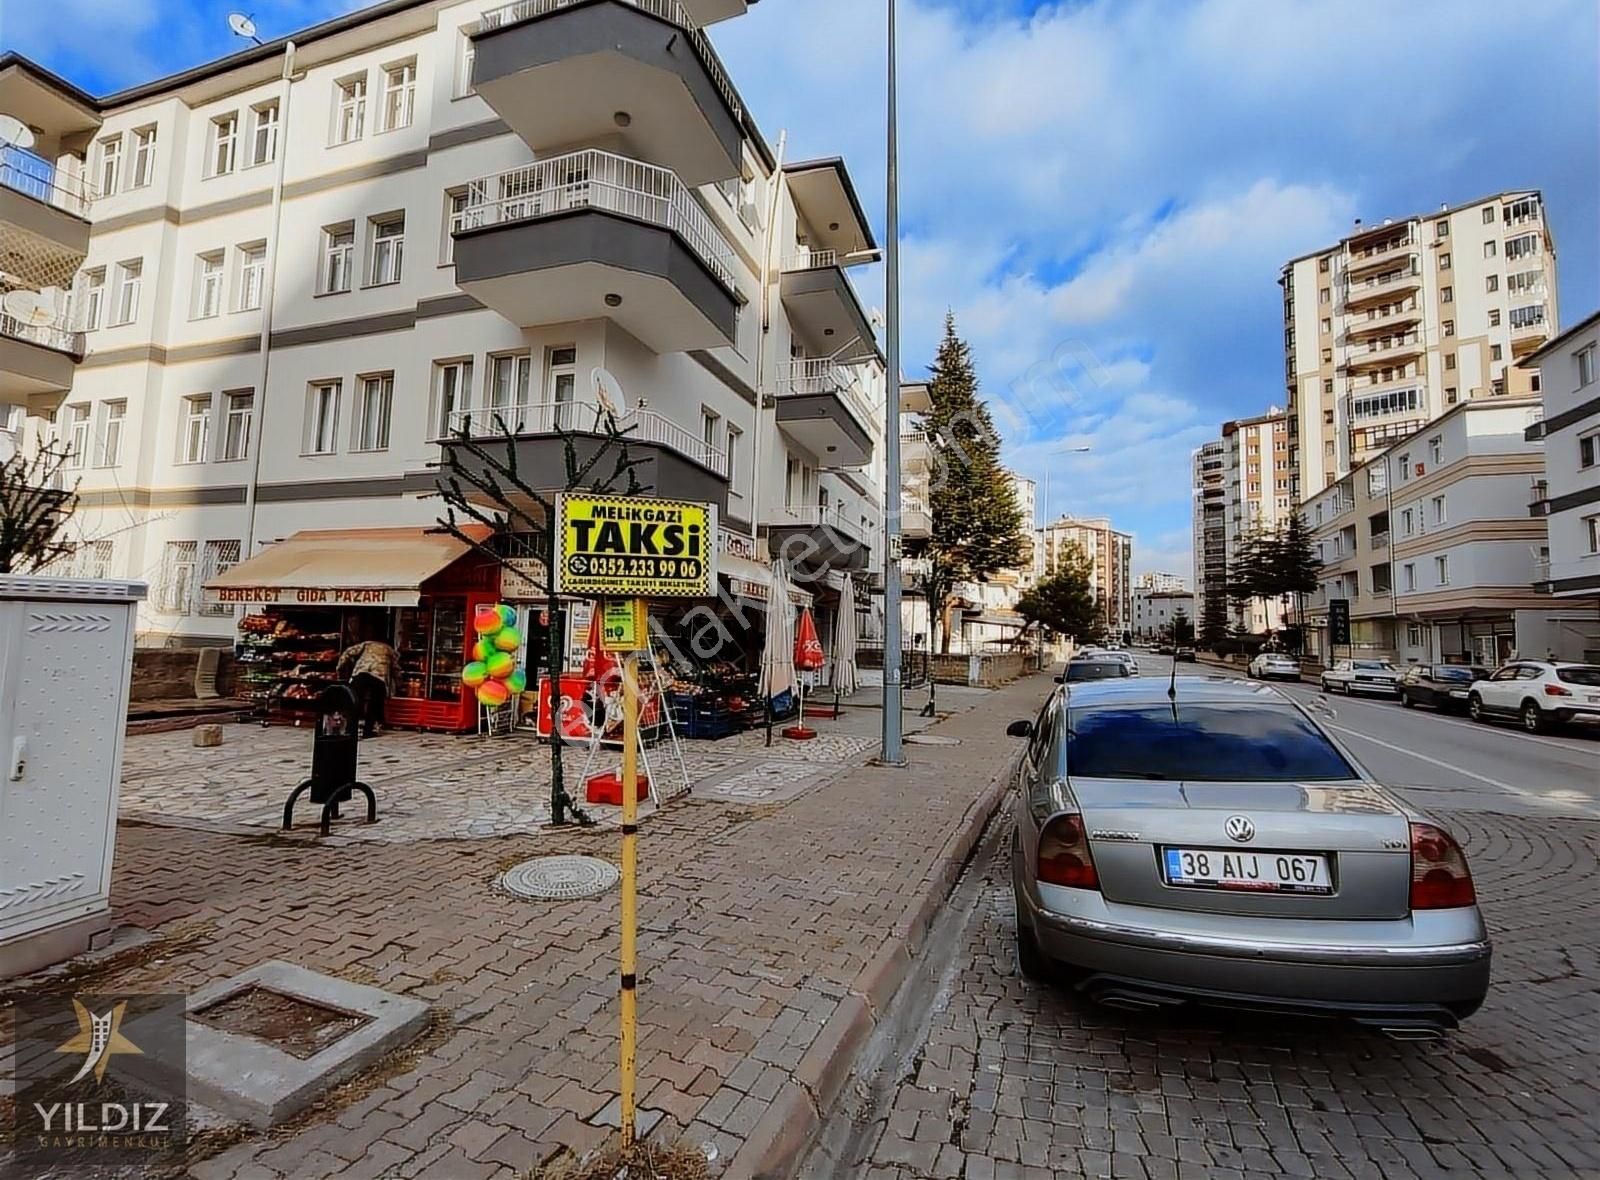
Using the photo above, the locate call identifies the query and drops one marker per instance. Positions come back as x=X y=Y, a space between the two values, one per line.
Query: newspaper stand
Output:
x=334 y=746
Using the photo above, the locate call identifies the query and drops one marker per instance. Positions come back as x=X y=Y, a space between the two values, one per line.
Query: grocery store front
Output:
x=312 y=595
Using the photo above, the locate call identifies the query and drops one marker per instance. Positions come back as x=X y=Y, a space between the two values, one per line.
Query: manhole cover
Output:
x=560 y=878
x=931 y=739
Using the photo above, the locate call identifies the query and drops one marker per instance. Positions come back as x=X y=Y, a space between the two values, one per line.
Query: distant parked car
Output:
x=1539 y=693
x=1271 y=665
x=1099 y=668
x=1439 y=686
x=1184 y=653
x=1128 y=658
x=1166 y=649
x=1370 y=676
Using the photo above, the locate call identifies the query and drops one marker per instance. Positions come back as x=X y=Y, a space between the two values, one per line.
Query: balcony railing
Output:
x=814 y=375
x=536 y=418
x=593 y=179
x=1538 y=493
x=819 y=516
x=38 y=178
x=54 y=336
x=812 y=260
x=668 y=10
x=1361 y=259
x=1380 y=540
x=1383 y=284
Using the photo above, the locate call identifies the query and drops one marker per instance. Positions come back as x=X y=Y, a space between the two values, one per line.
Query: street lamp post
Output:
x=1057 y=451
x=892 y=753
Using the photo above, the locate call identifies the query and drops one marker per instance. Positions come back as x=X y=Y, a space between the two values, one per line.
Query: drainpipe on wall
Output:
x=258 y=426
x=770 y=232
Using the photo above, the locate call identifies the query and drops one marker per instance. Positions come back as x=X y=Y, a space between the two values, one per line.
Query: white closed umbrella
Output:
x=844 y=642
x=777 y=654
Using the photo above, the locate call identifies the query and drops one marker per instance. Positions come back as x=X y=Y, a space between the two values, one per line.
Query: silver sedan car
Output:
x=1209 y=843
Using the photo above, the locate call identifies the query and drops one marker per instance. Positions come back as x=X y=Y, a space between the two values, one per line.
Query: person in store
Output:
x=369 y=667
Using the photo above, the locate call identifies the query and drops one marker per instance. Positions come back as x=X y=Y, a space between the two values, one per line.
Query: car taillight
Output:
x=1440 y=879
x=1064 y=853
x=1555 y=690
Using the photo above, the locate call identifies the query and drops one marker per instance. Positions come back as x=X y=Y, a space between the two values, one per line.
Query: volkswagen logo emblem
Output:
x=1240 y=828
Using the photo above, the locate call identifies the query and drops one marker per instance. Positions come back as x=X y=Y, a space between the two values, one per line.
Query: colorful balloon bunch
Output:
x=493 y=674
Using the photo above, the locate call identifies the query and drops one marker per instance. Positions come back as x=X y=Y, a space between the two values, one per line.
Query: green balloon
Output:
x=508 y=639
x=517 y=682
x=508 y=615
x=474 y=674
x=501 y=665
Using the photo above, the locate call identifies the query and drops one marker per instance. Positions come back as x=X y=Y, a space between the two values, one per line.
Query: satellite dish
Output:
x=608 y=391
x=242 y=25
x=29 y=307
x=14 y=131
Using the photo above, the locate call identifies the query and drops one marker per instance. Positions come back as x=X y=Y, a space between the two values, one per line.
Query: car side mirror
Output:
x=1020 y=729
x=1061 y=679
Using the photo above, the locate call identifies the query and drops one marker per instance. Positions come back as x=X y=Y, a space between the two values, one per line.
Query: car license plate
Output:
x=1267 y=872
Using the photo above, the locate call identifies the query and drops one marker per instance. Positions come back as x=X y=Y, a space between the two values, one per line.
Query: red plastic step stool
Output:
x=607 y=788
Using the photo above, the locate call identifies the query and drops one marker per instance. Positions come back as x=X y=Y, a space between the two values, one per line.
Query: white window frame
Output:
x=455 y=217
x=734 y=435
x=561 y=384
x=321 y=435
x=144 y=157
x=338 y=259
x=1409 y=576
x=1594 y=533
x=250 y=285
x=374 y=408
x=1584 y=361
x=239 y=412
x=1408 y=524
x=80 y=427
x=456 y=378
x=1588 y=442
x=108 y=165
x=180 y=562
x=93 y=293
x=130 y=284
x=399 y=95
x=1440 y=510
x=265 y=125
x=209 y=274
x=517 y=368
x=1441 y=569
x=386 y=246
x=1490 y=250
x=349 y=109
x=113 y=416
x=222 y=147
x=216 y=557
x=1436 y=450
x=194 y=429
x=465 y=53
x=1413 y=634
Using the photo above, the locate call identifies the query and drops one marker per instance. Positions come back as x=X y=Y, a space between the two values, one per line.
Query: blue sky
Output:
x=1103 y=191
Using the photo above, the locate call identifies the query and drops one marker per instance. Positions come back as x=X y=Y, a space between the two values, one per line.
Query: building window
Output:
x=1447 y=294
x=252 y=275
x=1589 y=449
x=455 y=218
x=1325 y=295
x=1407 y=522
x=1436 y=449
x=508 y=380
x=144 y=157
x=1408 y=576
x=1448 y=327
x=98 y=559
x=399 y=95
x=1413 y=634
x=1496 y=352
x=207 y=285
x=1592 y=524
x=241 y=406
x=1527 y=246
x=1327 y=325
x=176 y=595
x=1488 y=215
x=1444 y=261
x=350 y=108
x=1438 y=510
x=224 y=145
x=1405 y=466
x=464 y=56
x=452 y=395
x=1441 y=570
x=1441 y=229
x=710 y=432
x=1489 y=249
x=1327 y=356
x=1450 y=361
x=372 y=412
x=338 y=257
x=112 y=415
x=264 y=133
x=78 y=435
x=1450 y=395
x=194 y=441
x=735 y=435
x=109 y=173
x=217 y=558
x=94 y=295
x=1494 y=317
x=561 y=383
x=1327 y=385
x=1585 y=358
x=130 y=278
x=1491 y=283
x=388 y=249
x=322 y=419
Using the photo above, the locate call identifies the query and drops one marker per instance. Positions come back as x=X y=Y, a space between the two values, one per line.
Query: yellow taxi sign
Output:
x=622 y=625
x=635 y=547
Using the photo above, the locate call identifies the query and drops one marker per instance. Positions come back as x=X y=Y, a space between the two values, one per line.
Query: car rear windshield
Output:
x=1373 y=665
x=1462 y=675
x=1201 y=743
x=1096 y=670
x=1587 y=675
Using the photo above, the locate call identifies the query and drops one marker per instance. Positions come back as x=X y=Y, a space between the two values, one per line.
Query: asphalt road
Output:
x=982 y=1074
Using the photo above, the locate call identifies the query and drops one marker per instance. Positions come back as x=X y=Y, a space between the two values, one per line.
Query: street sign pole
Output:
x=630 y=911
x=893 y=753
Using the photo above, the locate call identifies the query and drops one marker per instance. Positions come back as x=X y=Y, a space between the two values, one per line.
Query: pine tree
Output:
x=1063 y=600
x=1182 y=629
x=1296 y=566
x=1214 y=614
x=976 y=524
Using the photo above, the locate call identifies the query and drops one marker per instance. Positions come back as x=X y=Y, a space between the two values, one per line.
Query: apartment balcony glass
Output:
x=1376 y=255
x=1385 y=285
x=818 y=536
x=823 y=307
x=1529 y=328
x=638 y=71
x=822 y=407
x=44 y=227
x=1381 y=321
x=24 y=172
x=591 y=234
x=1376 y=353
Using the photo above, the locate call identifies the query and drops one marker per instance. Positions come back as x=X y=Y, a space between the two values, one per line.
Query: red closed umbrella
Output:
x=599 y=665
x=808 y=657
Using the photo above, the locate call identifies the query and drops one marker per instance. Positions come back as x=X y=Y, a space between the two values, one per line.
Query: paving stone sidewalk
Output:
x=757 y=921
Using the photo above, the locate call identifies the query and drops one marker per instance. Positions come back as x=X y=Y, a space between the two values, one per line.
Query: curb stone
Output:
x=778 y=1143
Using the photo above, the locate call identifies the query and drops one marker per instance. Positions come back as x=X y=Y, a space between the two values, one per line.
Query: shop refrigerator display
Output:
x=285 y=663
x=433 y=642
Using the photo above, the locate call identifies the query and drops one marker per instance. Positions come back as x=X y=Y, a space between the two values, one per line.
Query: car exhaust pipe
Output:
x=1412 y=1032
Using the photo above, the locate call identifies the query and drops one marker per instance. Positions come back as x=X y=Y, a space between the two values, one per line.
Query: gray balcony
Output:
x=37 y=362
x=815 y=537
x=636 y=71
x=821 y=406
x=44 y=218
x=1384 y=286
x=916 y=522
x=592 y=235
x=823 y=307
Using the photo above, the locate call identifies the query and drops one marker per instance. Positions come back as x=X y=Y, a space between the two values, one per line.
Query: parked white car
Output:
x=1539 y=693
x=1274 y=664
x=1127 y=657
x=1373 y=676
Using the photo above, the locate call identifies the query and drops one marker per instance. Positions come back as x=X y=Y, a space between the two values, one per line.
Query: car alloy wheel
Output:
x=1532 y=717
x=1405 y=700
x=1475 y=707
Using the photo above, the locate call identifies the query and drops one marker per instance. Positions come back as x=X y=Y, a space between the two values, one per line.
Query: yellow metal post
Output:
x=630 y=916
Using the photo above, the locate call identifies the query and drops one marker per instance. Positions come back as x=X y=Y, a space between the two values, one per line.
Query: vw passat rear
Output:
x=1215 y=846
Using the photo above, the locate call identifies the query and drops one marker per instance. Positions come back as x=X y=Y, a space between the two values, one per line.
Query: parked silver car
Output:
x=1270 y=664
x=1218 y=847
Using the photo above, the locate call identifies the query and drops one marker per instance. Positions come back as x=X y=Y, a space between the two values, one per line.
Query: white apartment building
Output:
x=311 y=263
x=1210 y=514
x=1432 y=544
x=1155 y=611
x=1398 y=322
x=1026 y=491
x=1110 y=555
x=1568 y=497
x=1258 y=497
x=1153 y=580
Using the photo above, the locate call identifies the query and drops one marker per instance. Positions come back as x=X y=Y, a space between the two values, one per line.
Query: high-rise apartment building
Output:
x=1026 y=490
x=1257 y=481
x=1398 y=322
x=1210 y=514
x=301 y=281
x=1110 y=555
x=1161 y=583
